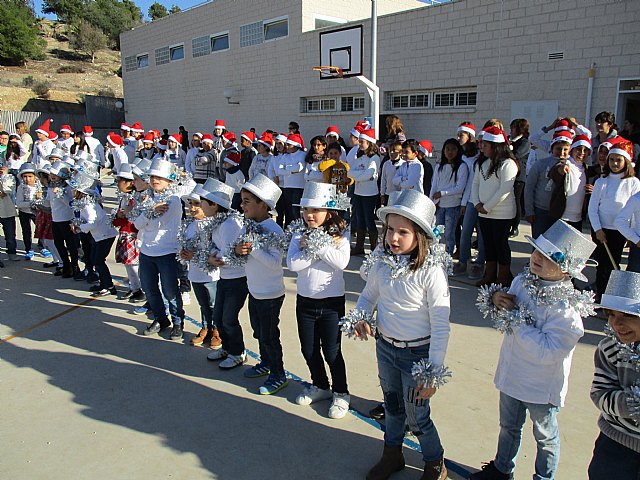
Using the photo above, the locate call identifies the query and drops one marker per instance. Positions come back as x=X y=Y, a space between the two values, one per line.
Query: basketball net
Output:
x=329 y=71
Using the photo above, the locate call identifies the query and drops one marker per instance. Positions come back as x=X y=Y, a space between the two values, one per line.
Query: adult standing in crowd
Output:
x=607 y=129
x=519 y=138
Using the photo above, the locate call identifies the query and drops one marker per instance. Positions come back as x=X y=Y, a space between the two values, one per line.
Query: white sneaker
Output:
x=217 y=355
x=186 y=298
x=340 y=405
x=312 y=394
x=232 y=361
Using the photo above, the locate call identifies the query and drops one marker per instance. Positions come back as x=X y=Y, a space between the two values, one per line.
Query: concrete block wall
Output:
x=499 y=48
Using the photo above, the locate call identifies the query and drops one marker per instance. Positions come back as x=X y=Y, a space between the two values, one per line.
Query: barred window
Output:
x=162 y=55
x=318 y=104
x=200 y=46
x=465 y=99
x=251 y=34
x=444 y=100
x=350 y=104
x=130 y=63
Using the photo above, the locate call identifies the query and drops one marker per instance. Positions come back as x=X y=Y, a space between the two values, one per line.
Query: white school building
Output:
x=250 y=63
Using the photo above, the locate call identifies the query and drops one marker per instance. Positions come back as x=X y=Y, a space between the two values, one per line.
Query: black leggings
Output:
x=495 y=235
x=25 y=225
x=65 y=243
x=101 y=251
x=615 y=242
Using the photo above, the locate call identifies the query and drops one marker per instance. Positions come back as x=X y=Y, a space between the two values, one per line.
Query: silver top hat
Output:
x=56 y=153
x=125 y=171
x=322 y=195
x=623 y=292
x=194 y=194
x=69 y=160
x=566 y=246
x=140 y=168
x=218 y=192
x=82 y=155
x=415 y=206
x=264 y=188
x=85 y=183
x=44 y=168
x=60 y=169
x=163 y=169
x=88 y=167
x=27 y=167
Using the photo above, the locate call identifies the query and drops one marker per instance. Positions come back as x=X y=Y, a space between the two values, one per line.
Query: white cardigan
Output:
x=535 y=360
x=609 y=195
x=496 y=192
x=628 y=220
x=409 y=175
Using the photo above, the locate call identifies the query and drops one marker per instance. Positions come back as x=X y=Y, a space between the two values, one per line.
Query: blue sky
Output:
x=143 y=4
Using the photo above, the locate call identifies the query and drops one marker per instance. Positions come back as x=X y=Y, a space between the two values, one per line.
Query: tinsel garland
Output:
x=138 y=201
x=562 y=293
x=627 y=352
x=147 y=207
x=632 y=394
x=185 y=243
x=61 y=190
x=317 y=238
x=259 y=238
x=78 y=204
x=428 y=375
x=504 y=321
x=400 y=265
x=203 y=249
x=348 y=322
x=32 y=198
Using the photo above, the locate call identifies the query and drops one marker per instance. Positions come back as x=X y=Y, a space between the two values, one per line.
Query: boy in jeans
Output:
x=541 y=317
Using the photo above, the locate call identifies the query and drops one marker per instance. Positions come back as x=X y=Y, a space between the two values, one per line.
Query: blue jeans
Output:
x=469 y=222
x=634 y=259
x=545 y=430
x=613 y=460
x=157 y=272
x=448 y=217
x=230 y=297
x=206 y=295
x=542 y=223
x=364 y=212
x=394 y=372
x=264 y=316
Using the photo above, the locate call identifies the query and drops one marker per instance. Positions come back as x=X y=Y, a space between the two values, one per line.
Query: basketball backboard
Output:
x=342 y=48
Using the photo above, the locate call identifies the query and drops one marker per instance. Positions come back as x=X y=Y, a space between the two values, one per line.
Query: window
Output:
x=220 y=42
x=162 y=55
x=466 y=99
x=276 y=29
x=431 y=99
x=350 y=104
x=251 y=34
x=444 y=100
x=400 y=101
x=419 y=101
x=176 y=53
x=143 y=60
x=315 y=105
x=200 y=47
x=130 y=64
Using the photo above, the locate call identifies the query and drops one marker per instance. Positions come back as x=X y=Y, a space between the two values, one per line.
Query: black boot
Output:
x=392 y=461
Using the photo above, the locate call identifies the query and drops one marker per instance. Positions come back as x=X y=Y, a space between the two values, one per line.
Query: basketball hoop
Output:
x=329 y=71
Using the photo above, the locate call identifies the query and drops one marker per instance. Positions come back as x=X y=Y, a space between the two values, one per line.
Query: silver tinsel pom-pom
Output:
x=484 y=301
x=438 y=256
x=627 y=353
x=511 y=319
x=78 y=205
x=317 y=239
x=296 y=226
x=428 y=375
x=633 y=401
x=61 y=190
x=185 y=243
x=400 y=265
x=349 y=321
x=259 y=239
x=371 y=259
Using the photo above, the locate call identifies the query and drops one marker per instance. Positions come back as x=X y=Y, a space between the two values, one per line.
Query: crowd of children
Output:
x=205 y=217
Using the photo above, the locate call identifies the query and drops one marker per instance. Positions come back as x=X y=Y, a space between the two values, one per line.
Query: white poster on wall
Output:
x=540 y=113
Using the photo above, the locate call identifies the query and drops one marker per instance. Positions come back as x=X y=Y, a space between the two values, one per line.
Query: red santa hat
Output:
x=233 y=158
x=495 y=135
x=198 y=134
x=230 y=137
x=45 y=128
x=137 y=128
x=175 y=137
x=66 y=128
x=156 y=133
x=207 y=138
x=564 y=125
x=53 y=136
x=219 y=124
x=149 y=138
x=87 y=130
x=564 y=136
x=467 y=127
x=426 y=147
x=114 y=140
x=622 y=147
x=332 y=130
x=124 y=127
x=364 y=124
x=581 y=141
x=356 y=131
x=281 y=137
x=296 y=140
x=266 y=139
x=250 y=136
x=369 y=135
x=162 y=144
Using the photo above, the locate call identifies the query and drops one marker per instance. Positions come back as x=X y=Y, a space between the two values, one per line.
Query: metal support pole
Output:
x=375 y=102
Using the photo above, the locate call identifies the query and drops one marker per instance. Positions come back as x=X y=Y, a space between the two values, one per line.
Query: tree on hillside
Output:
x=19 y=34
x=113 y=17
x=66 y=10
x=156 y=11
x=175 y=9
x=88 y=39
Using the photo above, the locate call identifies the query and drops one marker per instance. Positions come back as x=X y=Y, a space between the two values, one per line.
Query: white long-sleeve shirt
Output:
x=65 y=145
x=176 y=157
x=413 y=306
x=469 y=162
x=41 y=151
x=409 y=176
x=496 y=192
x=24 y=196
x=14 y=163
x=160 y=234
x=235 y=180
x=119 y=156
x=222 y=238
x=61 y=210
x=189 y=160
x=96 y=149
x=387 y=176
x=364 y=171
x=628 y=220
x=537 y=139
x=610 y=194
x=535 y=360
x=575 y=181
x=96 y=222
x=312 y=173
x=450 y=186
x=290 y=168
x=196 y=274
x=265 y=276
x=260 y=164
x=321 y=277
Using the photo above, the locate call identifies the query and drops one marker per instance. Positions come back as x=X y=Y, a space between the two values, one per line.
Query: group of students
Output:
x=165 y=221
